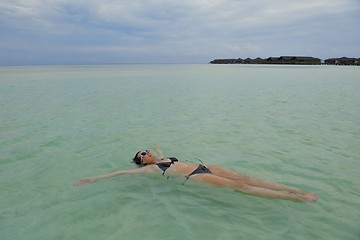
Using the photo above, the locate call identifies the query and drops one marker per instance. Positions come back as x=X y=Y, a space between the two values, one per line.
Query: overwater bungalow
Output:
x=294 y=60
x=223 y=61
x=300 y=60
x=342 y=61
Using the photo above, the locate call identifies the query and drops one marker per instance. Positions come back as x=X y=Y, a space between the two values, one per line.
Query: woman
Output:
x=149 y=163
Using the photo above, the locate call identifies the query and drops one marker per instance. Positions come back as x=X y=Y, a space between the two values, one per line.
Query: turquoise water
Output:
x=296 y=125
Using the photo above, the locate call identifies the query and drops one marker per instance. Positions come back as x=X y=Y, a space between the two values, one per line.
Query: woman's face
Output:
x=147 y=157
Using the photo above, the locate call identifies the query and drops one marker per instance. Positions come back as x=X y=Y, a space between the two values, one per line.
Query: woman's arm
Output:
x=88 y=180
x=159 y=152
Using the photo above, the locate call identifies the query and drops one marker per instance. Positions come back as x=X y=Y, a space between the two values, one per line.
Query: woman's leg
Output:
x=251 y=190
x=226 y=173
x=267 y=193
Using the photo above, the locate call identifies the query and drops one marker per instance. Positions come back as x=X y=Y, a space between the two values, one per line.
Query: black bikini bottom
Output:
x=200 y=169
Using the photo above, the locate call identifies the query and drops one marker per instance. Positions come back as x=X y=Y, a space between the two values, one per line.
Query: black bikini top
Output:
x=165 y=165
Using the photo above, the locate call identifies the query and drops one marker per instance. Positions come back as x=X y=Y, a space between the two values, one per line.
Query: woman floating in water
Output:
x=149 y=163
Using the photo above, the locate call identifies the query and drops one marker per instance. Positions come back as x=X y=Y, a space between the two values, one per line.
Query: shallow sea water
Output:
x=296 y=125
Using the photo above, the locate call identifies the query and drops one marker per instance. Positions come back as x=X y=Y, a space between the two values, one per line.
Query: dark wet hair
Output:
x=137 y=159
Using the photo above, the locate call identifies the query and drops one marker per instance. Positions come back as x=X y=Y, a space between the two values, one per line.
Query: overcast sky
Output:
x=174 y=31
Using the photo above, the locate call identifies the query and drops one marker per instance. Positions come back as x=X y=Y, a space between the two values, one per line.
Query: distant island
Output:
x=295 y=60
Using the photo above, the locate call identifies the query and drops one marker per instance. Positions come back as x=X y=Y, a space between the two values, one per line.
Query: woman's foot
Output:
x=308 y=197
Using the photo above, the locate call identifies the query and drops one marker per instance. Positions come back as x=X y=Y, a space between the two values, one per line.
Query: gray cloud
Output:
x=176 y=31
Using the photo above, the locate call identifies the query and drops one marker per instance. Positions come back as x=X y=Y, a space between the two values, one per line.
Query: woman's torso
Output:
x=175 y=168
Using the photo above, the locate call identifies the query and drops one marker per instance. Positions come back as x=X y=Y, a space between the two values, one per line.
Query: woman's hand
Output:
x=85 y=181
